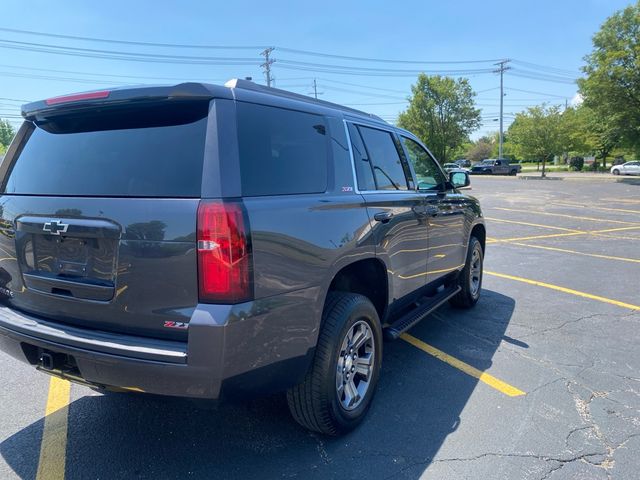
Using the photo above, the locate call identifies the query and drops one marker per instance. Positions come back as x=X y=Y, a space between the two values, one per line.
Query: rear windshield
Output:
x=142 y=153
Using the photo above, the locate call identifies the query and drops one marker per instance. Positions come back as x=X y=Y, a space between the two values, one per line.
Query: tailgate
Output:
x=98 y=219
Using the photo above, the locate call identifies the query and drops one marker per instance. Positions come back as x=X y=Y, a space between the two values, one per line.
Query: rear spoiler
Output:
x=56 y=106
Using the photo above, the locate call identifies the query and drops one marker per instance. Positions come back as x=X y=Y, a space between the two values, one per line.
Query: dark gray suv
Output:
x=209 y=241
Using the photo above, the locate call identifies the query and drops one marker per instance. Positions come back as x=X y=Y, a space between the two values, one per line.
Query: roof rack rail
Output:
x=249 y=85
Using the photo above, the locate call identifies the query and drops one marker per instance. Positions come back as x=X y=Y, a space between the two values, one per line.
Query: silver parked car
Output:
x=629 y=168
x=453 y=167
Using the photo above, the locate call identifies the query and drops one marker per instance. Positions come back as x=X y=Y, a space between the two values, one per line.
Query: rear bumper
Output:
x=254 y=347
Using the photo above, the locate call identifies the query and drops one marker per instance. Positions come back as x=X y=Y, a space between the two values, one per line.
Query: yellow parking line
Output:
x=570 y=234
x=535 y=237
x=564 y=290
x=621 y=200
x=591 y=207
x=620 y=229
x=490 y=380
x=564 y=250
x=577 y=217
x=53 y=448
x=551 y=227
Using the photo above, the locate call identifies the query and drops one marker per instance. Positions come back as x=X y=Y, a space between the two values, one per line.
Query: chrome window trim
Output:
x=356 y=188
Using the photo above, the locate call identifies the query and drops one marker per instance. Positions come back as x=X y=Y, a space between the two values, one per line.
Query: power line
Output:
x=241 y=47
x=297 y=65
x=535 y=93
x=127 y=56
x=382 y=60
x=129 y=42
x=90 y=81
x=542 y=77
x=555 y=70
x=488 y=90
x=14 y=99
x=73 y=72
x=368 y=94
x=362 y=86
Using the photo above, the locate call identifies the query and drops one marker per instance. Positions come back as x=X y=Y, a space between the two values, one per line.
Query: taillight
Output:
x=75 y=97
x=224 y=257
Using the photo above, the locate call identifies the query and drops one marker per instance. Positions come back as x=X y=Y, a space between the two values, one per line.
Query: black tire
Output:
x=469 y=295
x=513 y=172
x=314 y=403
x=616 y=172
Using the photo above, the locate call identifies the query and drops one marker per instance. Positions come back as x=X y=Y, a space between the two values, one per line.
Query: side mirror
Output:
x=459 y=179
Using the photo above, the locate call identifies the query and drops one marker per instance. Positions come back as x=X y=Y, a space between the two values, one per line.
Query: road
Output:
x=539 y=381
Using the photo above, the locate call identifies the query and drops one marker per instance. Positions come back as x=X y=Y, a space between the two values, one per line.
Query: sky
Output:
x=388 y=42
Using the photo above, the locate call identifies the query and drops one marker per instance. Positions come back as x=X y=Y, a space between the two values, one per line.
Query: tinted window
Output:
x=97 y=156
x=361 y=160
x=430 y=177
x=388 y=170
x=281 y=151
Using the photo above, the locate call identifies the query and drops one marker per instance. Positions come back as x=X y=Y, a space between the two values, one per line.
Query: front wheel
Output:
x=616 y=172
x=337 y=391
x=470 y=279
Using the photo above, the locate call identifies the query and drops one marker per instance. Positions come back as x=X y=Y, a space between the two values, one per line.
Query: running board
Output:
x=393 y=331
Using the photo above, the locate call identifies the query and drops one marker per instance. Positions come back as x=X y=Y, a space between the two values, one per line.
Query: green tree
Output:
x=589 y=133
x=612 y=84
x=480 y=150
x=6 y=133
x=539 y=134
x=576 y=123
x=442 y=113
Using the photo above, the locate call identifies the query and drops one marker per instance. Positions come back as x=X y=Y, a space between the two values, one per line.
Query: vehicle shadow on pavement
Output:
x=418 y=404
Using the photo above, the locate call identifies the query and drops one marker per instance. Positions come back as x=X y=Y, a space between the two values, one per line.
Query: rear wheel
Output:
x=470 y=279
x=337 y=391
x=513 y=172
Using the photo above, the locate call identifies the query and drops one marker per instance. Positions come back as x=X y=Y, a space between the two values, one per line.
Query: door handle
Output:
x=383 y=217
x=431 y=210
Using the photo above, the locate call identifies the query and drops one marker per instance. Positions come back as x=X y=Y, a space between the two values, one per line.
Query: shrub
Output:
x=576 y=163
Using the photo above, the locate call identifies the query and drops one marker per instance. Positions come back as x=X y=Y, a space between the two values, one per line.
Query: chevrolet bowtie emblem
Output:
x=55 y=227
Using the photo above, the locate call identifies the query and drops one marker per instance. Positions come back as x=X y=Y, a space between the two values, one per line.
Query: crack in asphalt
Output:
x=602 y=458
x=562 y=325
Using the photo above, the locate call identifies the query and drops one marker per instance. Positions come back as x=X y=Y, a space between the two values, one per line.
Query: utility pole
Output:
x=503 y=68
x=267 y=64
x=315 y=90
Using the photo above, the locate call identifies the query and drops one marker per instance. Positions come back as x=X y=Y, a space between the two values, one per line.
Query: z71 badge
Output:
x=178 y=325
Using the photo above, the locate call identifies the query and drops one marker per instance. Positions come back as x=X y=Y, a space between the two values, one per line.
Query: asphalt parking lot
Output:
x=540 y=381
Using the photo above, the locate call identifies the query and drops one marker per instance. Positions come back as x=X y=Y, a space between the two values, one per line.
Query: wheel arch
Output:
x=480 y=232
x=366 y=277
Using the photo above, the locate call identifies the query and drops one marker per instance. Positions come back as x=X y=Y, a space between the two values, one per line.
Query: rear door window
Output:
x=282 y=151
x=363 y=167
x=388 y=169
x=130 y=154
